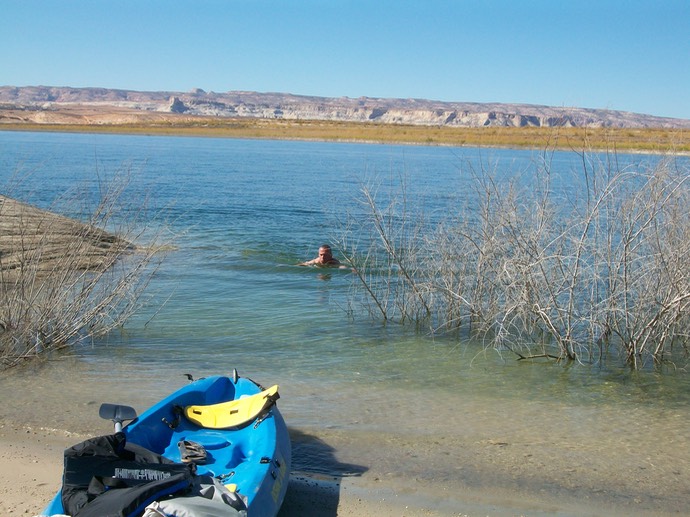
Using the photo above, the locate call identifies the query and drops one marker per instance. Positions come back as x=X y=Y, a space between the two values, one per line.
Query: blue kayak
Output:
x=227 y=430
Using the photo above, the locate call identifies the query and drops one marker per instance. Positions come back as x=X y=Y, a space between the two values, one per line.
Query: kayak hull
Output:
x=253 y=459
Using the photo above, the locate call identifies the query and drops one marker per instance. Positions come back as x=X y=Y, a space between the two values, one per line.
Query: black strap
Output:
x=177 y=411
x=100 y=484
x=270 y=402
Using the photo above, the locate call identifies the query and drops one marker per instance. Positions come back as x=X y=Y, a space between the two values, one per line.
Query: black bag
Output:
x=106 y=477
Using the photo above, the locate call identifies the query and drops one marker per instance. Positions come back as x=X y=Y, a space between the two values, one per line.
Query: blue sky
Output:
x=629 y=55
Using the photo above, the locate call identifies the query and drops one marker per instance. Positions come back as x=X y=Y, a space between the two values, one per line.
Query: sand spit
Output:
x=30 y=237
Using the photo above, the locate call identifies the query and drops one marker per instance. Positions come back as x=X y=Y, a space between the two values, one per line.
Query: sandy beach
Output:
x=32 y=469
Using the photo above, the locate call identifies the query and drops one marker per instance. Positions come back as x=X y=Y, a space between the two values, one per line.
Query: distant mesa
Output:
x=42 y=104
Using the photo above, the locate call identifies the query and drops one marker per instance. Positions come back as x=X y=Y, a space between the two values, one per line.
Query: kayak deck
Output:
x=252 y=459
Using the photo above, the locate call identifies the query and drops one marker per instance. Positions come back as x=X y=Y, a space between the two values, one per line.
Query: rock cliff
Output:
x=296 y=107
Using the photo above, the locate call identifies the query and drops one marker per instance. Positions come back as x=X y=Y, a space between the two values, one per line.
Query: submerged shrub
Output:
x=570 y=273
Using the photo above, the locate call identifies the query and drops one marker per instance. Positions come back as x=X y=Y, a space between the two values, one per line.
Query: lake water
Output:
x=435 y=416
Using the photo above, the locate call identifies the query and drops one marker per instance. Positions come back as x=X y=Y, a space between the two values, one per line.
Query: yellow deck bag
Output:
x=234 y=413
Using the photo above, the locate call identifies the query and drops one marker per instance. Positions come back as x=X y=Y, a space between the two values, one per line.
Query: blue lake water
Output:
x=382 y=400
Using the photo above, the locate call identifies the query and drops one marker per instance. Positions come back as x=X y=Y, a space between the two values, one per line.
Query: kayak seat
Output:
x=234 y=413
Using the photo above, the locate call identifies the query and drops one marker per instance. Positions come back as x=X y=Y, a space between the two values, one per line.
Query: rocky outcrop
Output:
x=364 y=109
x=177 y=106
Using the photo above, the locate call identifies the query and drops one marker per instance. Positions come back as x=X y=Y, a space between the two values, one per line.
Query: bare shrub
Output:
x=543 y=271
x=648 y=289
x=385 y=248
x=63 y=281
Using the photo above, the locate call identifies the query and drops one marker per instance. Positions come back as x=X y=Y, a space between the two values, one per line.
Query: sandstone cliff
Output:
x=37 y=100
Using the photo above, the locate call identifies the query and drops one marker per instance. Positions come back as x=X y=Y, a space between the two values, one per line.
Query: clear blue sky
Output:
x=630 y=55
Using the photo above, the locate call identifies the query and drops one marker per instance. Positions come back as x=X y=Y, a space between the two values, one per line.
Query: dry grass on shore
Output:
x=618 y=139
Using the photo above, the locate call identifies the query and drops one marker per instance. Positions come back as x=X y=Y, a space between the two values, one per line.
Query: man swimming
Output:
x=325 y=258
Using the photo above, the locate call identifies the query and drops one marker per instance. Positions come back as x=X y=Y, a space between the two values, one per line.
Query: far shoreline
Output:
x=615 y=140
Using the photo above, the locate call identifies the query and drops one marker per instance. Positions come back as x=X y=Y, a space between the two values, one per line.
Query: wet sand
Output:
x=32 y=469
x=484 y=458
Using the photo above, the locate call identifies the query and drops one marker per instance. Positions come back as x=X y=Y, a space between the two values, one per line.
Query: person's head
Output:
x=325 y=252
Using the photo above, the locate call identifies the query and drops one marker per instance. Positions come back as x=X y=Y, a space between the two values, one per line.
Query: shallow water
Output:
x=361 y=398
